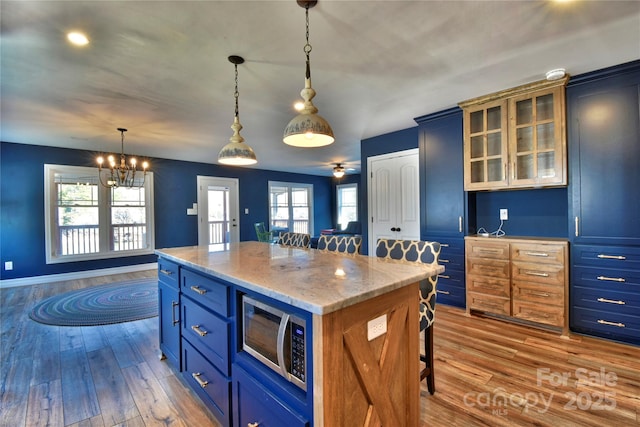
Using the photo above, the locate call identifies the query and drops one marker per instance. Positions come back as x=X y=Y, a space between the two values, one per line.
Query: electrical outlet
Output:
x=377 y=327
x=8 y=265
x=504 y=214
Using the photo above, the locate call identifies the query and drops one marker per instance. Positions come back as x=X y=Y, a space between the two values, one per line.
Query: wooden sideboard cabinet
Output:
x=516 y=138
x=523 y=279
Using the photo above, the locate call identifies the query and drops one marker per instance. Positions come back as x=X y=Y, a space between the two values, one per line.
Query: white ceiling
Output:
x=160 y=68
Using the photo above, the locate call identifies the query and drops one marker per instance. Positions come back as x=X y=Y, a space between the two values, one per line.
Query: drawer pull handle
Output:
x=199 y=331
x=175 y=321
x=444 y=276
x=444 y=260
x=620 y=257
x=489 y=250
x=198 y=289
x=459 y=224
x=611 y=279
x=611 y=301
x=604 y=322
x=539 y=294
x=196 y=376
x=167 y=272
x=536 y=273
x=538 y=254
x=443 y=292
x=444 y=245
x=253 y=425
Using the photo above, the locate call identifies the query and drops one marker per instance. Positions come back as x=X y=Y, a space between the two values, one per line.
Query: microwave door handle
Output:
x=281 y=334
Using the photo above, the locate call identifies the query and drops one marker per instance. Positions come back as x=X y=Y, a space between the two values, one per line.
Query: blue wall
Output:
x=22 y=234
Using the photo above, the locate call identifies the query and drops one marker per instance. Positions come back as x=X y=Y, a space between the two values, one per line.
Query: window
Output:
x=290 y=206
x=347 y=204
x=88 y=221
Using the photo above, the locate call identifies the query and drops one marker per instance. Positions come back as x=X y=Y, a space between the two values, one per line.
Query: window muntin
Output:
x=347 y=203
x=87 y=221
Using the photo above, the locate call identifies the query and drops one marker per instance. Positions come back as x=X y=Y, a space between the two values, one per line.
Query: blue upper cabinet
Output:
x=604 y=144
x=442 y=194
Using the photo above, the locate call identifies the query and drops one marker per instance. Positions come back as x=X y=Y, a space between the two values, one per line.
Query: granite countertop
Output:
x=316 y=281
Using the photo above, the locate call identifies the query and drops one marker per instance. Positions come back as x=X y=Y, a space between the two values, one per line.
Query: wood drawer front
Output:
x=213 y=388
x=168 y=272
x=489 y=286
x=541 y=313
x=488 y=267
x=486 y=249
x=540 y=273
x=207 y=332
x=538 y=293
x=207 y=291
x=489 y=303
x=538 y=253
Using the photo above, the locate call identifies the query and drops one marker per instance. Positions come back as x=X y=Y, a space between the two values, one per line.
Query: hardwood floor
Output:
x=488 y=373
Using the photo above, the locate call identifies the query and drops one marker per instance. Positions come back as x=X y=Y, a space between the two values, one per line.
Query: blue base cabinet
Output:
x=169 y=311
x=604 y=201
x=451 y=284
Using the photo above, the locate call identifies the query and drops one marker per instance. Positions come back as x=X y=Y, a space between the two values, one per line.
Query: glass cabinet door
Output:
x=485 y=146
x=536 y=137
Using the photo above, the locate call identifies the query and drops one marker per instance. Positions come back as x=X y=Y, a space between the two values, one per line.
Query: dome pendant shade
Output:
x=236 y=152
x=308 y=129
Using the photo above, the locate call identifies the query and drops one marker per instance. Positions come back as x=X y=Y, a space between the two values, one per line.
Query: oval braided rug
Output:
x=100 y=305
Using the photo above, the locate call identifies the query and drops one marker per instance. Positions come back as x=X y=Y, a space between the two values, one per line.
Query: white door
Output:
x=394 y=197
x=218 y=219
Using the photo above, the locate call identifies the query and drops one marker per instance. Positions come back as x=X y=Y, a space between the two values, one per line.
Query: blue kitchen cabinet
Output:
x=442 y=198
x=169 y=311
x=604 y=201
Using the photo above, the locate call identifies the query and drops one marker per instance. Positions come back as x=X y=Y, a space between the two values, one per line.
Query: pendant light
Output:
x=308 y=129
x=236 y=152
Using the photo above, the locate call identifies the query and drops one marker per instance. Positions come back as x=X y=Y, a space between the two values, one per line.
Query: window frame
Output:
x=104 y=217
x=339 y=188
x=289 y=186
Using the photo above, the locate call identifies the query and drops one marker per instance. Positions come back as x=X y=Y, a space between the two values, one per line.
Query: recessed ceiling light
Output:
x=556 y=74
x=77 y=38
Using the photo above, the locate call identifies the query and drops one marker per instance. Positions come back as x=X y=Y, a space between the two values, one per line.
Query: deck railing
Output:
x=85 y=239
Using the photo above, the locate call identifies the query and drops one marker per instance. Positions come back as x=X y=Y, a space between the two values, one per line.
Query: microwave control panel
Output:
x=298 y=368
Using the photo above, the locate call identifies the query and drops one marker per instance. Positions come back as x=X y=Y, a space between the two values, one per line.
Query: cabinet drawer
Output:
x=488 y=285
x=451 y=278
x=607 y=278
x=607 y=256
x=489 y=303
x=538 y=293
x=209 y=384
x=607 y=300
x=606 y=324
x=488 y=267
x=487 y=249
x=541 y=273
x=450 y=295
x=451 y=260
x=207 y=332
x=207 y=291
x=255 y=405
x=538 y=253
x=168 y=272
x=541 y=313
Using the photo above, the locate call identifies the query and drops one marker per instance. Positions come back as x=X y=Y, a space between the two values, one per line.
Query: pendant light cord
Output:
x=307 y=47
x=236 y=93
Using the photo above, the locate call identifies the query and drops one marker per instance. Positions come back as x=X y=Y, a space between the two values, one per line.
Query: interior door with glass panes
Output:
x=485 y=148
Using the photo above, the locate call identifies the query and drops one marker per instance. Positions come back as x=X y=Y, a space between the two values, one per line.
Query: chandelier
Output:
x=123 y=174
x=236 y=152
x=308 y=129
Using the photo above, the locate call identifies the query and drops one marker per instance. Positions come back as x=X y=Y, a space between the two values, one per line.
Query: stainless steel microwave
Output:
x=276 y=338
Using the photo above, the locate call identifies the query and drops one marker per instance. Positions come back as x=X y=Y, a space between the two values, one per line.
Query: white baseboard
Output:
x=35 y=280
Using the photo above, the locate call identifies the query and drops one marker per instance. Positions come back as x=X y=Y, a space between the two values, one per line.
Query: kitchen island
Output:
x=359 y=372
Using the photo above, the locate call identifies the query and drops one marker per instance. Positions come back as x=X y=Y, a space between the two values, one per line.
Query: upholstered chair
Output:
x=289 y=238
x=340 y=243
x=425 y=253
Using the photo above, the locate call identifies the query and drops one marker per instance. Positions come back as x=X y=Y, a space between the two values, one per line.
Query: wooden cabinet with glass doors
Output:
x=516 y=138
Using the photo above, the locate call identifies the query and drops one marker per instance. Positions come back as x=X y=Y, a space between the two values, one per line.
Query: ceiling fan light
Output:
x=338 y=171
